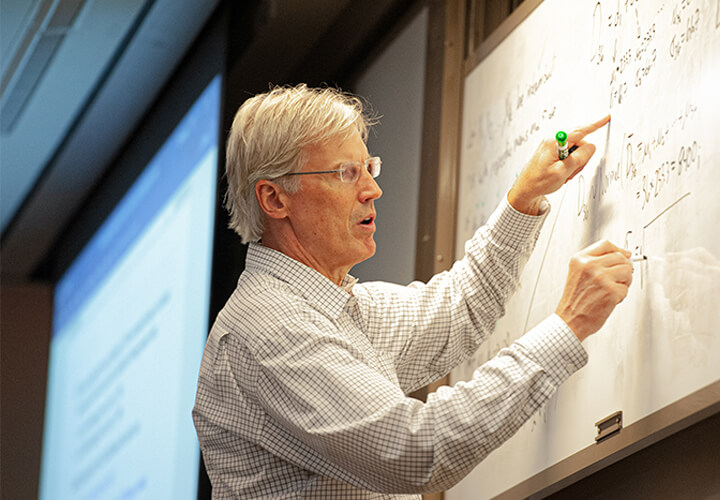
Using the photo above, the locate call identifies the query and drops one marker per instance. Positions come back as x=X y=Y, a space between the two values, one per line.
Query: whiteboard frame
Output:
x=657 y=426
x=476 y=56
x=651 y=429
x=440 y=154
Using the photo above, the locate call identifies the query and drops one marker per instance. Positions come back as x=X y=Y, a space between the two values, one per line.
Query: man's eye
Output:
x=350 y=170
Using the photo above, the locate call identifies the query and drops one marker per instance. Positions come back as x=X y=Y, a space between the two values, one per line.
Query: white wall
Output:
x=394 y=86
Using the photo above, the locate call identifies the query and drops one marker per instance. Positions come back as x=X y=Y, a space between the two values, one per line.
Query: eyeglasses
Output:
x=350 y=170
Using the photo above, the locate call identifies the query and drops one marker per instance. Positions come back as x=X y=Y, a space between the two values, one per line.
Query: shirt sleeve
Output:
x=430 y=328
x=502 y=395
x=333 y=414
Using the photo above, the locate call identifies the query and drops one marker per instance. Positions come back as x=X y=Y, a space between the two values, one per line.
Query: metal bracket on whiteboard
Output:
x=608 y=426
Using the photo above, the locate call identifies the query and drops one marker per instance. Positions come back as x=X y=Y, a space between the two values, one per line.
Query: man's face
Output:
x=333 y=221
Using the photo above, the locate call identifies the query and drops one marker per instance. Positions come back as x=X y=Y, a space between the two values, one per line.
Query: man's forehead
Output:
x=336 y=147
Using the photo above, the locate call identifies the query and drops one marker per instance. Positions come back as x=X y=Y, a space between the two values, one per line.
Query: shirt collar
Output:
x=306 y=281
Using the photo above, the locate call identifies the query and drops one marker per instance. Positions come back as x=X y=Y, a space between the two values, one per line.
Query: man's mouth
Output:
x=367 y=220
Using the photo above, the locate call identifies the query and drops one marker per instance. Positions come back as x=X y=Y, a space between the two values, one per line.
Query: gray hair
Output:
x=267 y=139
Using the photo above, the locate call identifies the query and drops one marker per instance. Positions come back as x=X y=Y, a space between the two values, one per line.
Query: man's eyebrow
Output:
x=357 y=161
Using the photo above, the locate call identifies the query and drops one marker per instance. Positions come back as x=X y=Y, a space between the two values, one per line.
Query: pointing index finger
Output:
x=578 y=134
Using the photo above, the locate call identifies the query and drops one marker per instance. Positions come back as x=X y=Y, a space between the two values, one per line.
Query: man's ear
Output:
x=271 y=198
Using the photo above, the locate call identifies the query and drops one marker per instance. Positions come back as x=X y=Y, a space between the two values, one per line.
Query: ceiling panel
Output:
x=107 y=72
x=58 y=70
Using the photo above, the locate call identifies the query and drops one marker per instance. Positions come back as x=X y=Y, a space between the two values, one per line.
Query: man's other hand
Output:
x=598 y=280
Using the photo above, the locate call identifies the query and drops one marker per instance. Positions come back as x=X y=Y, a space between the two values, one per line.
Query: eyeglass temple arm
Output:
x=316 y=172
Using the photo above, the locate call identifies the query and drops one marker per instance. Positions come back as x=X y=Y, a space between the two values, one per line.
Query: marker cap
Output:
x=561 y=138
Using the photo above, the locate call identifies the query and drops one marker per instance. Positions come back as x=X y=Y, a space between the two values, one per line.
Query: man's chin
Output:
x=371 y=248
x=369 y=251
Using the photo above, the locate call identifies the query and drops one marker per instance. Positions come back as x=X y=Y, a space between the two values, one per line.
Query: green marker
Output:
x=562 y=146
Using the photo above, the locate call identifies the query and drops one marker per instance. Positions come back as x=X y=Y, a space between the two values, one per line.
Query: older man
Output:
x=304 y=381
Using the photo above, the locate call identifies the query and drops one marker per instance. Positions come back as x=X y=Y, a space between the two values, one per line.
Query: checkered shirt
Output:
x=303 y=385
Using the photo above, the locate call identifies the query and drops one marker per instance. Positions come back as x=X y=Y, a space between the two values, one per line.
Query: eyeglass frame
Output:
x=372 y=162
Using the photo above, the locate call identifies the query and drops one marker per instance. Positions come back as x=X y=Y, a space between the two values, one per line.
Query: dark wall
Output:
x=25 y=318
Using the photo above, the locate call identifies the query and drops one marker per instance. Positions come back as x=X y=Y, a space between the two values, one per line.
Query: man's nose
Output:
x=369 y=188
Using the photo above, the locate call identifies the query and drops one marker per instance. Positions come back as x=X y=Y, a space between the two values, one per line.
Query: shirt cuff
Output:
x=554 y=346
x=515 y=229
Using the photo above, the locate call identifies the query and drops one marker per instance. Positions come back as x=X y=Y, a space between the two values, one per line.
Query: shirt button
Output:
x=571 y=368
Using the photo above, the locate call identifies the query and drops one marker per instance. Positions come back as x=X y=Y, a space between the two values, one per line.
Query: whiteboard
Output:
x=653 y=187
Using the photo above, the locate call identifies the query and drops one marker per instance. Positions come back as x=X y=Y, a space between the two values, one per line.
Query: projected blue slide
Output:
x=130 y=323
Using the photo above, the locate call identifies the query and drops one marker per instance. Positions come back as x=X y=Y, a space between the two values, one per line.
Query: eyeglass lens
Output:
x=350 y=171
